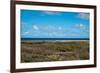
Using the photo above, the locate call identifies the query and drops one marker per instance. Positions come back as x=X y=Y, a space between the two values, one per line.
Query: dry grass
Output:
x=40 y=51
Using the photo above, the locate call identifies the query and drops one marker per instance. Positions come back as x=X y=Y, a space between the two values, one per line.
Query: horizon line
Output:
x=54 y=38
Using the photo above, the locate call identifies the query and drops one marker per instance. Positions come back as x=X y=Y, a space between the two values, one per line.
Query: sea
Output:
x=54 y=38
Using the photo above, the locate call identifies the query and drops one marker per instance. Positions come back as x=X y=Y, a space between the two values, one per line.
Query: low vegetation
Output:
x=42 y=51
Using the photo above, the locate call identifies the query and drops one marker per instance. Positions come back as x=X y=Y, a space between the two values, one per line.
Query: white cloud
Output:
x=51 y=12
x=27 y=32
x=60 y=28
x=80 y=26
x=35 y=27
x=84 y=15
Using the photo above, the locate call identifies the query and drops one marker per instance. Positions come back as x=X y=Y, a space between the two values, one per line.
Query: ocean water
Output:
x=54 y=38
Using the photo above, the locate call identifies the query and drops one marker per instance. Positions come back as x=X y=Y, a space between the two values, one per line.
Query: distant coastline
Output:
x=54 y=38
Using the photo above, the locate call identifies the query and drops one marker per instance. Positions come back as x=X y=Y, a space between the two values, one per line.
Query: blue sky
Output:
x=52 y=24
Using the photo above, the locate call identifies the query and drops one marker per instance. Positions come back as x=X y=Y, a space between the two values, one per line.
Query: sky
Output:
x=52 y=24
